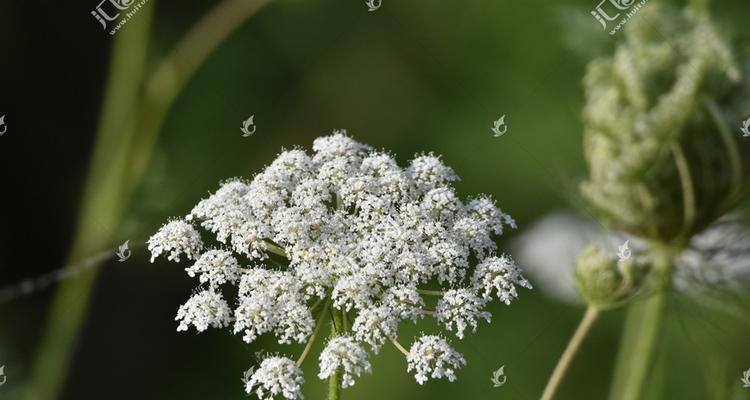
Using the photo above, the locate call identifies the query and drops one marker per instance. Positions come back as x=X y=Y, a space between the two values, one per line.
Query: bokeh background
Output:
x=413 y=76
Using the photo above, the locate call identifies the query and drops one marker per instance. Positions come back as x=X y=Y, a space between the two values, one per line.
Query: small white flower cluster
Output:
x=348 y=228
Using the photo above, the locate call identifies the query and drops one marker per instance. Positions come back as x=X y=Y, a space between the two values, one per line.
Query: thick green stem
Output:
x=334 y=382
x=126 y=136
x=642 y=331
x=102 y=206
x=575 y=343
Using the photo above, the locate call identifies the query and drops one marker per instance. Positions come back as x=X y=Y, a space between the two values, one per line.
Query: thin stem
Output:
x=735 y=160
x=430 y=292
x=399 y=346
x=172 y=74
x=334 y=382
x=570 y=351
x=314 y=335
x=688 y=191
x=316 y=304
x=643 y=326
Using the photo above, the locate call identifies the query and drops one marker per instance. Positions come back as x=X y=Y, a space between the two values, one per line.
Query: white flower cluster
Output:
x=348 y=228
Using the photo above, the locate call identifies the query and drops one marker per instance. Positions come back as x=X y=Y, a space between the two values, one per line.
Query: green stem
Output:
x=575 y=343
x=642 y=332
x=314 y=335
x=102 y=206
x=334 y=382
x=126 y=136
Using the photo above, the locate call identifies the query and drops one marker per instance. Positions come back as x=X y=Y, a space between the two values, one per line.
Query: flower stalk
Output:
x=574 y=344
x=643 y=327
x=334 y=381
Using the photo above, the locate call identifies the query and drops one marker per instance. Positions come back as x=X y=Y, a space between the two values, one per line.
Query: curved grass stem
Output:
x=570 y=351
x=128 y=128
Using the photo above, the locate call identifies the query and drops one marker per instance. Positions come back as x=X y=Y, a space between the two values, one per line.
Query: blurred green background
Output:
x=414 y=76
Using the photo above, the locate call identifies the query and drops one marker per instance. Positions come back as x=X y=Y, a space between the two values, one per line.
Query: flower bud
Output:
x=665 y=159
x=604 y=281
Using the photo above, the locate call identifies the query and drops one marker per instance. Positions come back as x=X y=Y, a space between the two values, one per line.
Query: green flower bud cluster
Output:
x=663 y=156
x=603 y=280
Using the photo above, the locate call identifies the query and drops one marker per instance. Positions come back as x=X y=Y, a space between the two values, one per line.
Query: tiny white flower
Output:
x=374 y=326
x=215 y=266
x=207 y=308
x=343 y=353
x=277 y=377
x=178 y=237
x=433 y=357
x=463 y=308
x=499 y=276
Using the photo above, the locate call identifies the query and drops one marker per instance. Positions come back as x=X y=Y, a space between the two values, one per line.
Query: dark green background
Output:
x=414 y=76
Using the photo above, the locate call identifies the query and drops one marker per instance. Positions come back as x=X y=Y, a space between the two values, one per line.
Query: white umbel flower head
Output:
x=499 y=276
x=216 y=267
x=463 y=308
x=374 y=326
x=207 y=308
x=433 y=357
x=343 y=353
x=277 y=377
x=347 y=228
x=178 y=237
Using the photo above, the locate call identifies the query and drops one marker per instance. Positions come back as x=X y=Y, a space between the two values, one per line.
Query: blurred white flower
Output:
x=715 y=258
x=349 y=228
